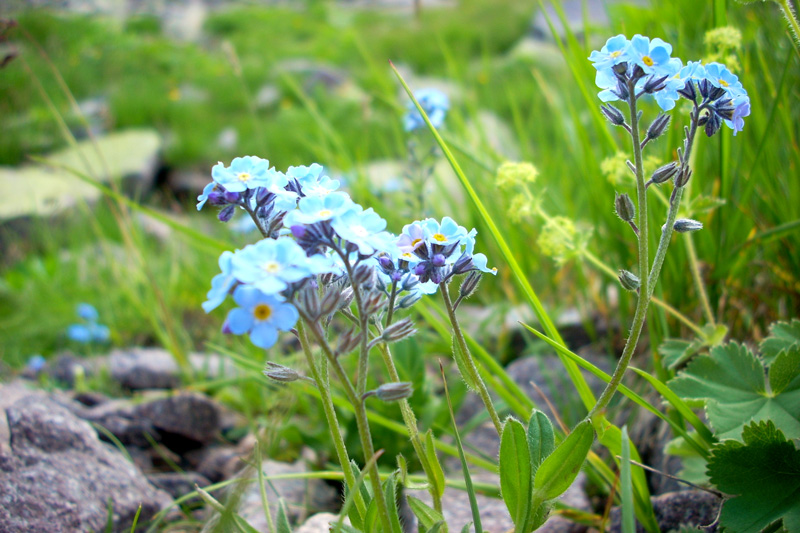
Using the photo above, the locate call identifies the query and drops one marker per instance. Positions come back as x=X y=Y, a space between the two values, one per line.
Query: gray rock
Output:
x=673 y=509
x=120 y=418
x=320 y=523
x=66 y=367
x=177 y=484
x=189 y=415
x=144 y=368
x=651 y=435
x=302 y=496
x=55 y=475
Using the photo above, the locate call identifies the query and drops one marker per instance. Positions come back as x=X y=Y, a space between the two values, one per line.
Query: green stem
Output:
x=644 y=260
x=320 y=375
x=410 y=421
x=361 y=421
x=791 y=20
x=474 y=375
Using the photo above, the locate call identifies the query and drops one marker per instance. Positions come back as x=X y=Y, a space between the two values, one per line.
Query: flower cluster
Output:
x=434 y=102
x=317 y=239
x=649 y=65
x=90 y=330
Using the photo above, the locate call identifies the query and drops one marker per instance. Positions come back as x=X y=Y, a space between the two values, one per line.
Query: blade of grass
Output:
x=626 y=482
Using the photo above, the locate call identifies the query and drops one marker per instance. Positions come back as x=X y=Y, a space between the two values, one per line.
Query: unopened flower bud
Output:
x=658 y=127
x=613 y=114
x=308 y=302
x=438 y=260
x=624 y=206
x=280 y=373
x=217 y=198
x=227 y=213
x=392 y=392
x=620 y=69
x=231 y=197
x=638 y=73
x=226 y=328
x=298 y=230
x=654 y=84
x=687 y=225
x=263 y=195
x=628 y=280
x=399 y=331
x=363 y=274
x=330 y=302
x=408 y=300
x=665 y=172
x=683 y=177
x=725 y=109
x=716 y=93
x=470 y=284
x=688 y=91
x=386 y=263
x=348 y=342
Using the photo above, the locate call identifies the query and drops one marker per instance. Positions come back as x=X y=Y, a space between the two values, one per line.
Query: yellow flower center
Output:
x=272 y=267
x=647 y=61
x=439 y=237
x=415 y=242
x=324 y=213
x=262 y=312
x=243 y=176
x=723 y=83
x=407 y=256
x=615 y=54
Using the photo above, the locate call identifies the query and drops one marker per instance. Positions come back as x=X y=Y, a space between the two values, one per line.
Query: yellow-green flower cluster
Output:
x=722 y=45
x=615 y=169
x=560 y=239
x=511 y=174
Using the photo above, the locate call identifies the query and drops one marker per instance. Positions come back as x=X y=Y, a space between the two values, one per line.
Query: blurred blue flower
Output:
x=435 y=104
x=261 y=315
x=87 y=312
x=364 y=229
x=612 y=53
x=222 y=283
x=36 y=363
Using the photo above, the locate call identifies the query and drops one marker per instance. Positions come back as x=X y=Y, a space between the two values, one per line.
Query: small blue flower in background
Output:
x=91 y=331
x=364 y=229
x=313 y=209
x=261 y=315
x=35 y=363
x=434 y=102
x=249 y=172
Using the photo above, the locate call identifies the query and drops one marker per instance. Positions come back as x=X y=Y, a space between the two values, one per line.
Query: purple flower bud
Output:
x=231 y=197
x=263 y=195
x=298 y=230
x=687 y=225
x=420 y=269
x=226 y=328
x=396 y=275
x=438 y=260
x=226 y=214
x=217 y=198
x=386 y=263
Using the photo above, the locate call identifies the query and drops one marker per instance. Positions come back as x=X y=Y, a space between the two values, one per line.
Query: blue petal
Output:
x=264 y=335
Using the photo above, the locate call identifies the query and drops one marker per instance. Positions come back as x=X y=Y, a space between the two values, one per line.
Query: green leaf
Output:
x=700 y=205
x=673 y=351
x=390 y=493
x=461 y=362
x=559 y=470
x=428 y=517
x=437 y=472
x=765 y=474
x=626 y=485
x=676 y=352
x=541 y=439
x=731 y=381
x=466 y=527
x=282 y=523
x=438 y=526
x=782 y=336
x=784 y=369
x=515 y=471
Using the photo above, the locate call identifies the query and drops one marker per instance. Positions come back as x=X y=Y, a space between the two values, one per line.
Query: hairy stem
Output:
x=471 y=367
x=320 y=375
x=644 y=260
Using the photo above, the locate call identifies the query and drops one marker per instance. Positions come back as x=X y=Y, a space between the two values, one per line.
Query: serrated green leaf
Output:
x=677 y=352
x=782 y=336
x=428 y=516
x=784 y=369
x=515 y=471
x=764 y=473
x=673 y=351
x=541 y=439
x=437 y=472
x=559 y=470
x=732 y=382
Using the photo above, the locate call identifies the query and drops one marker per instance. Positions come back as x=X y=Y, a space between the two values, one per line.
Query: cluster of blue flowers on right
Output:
x=667 y=79
x=316 y=235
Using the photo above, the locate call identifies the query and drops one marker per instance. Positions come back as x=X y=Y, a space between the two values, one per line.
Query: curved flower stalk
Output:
x=629 y=70
x=325 y=256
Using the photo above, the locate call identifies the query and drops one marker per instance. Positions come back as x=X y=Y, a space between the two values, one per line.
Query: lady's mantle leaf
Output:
x=732 y=381
x=782 y=336
x=764 y=473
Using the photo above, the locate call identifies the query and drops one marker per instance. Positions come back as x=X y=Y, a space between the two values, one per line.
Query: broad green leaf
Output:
x=626 y=485
x=765 y=474
x=438 y=526
x=428 y=517
x=782 y=336
x=559 y=470
x=673 y=351
x=541 y=439
x=515 y=471
x=437 y=472
x=676 y=352
x=784 y=369
x=731 y=381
